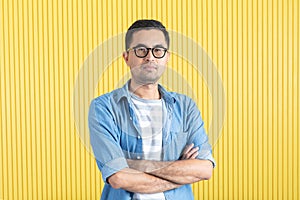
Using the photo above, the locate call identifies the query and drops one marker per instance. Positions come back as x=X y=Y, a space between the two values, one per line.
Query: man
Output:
x=148 y=143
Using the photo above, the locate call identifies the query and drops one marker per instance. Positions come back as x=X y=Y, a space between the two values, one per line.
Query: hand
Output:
x=189 y=152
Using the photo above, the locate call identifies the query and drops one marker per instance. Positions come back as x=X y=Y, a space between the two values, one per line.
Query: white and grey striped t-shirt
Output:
x=150 y=114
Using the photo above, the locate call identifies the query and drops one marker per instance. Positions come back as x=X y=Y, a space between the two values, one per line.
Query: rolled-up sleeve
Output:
x=104 y=139
x=197 y=133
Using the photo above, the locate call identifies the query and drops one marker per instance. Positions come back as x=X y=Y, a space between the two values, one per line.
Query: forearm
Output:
x=180 y=172
x=136 y=181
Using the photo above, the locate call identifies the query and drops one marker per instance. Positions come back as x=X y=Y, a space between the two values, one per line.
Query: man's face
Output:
x=149 y=69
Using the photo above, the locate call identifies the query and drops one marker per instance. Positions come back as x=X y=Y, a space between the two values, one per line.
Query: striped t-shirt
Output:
x=150 y=114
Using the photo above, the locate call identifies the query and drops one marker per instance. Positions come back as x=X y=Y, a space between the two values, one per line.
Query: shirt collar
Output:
x=125 y=93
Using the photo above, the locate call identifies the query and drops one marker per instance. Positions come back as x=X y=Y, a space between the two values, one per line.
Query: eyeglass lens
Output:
x=157 y=52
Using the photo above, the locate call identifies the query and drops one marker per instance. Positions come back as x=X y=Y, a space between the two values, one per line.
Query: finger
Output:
x=188 y=148
x=194 y=155
x=182 y=157
x=191 y=152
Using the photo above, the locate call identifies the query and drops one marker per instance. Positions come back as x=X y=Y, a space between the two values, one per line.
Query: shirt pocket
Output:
x=175 y=145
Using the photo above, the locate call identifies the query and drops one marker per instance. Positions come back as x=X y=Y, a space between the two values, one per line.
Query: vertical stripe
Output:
x=254 y=45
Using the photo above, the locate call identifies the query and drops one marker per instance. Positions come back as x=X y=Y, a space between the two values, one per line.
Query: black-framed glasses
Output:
x=142 y=52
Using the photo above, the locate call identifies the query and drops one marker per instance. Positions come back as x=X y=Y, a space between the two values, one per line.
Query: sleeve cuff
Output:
x=112 y=167
x=208 y=157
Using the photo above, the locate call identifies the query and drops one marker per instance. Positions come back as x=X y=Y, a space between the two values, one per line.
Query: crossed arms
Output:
x=144 y=176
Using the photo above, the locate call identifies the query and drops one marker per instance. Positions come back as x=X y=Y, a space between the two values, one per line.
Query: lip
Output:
x=149 y=67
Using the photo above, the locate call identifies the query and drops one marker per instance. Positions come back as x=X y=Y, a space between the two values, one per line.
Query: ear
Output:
x=125 y=56
x=168 y=56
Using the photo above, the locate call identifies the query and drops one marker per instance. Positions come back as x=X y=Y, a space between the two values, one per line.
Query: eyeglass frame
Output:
x=148 y=50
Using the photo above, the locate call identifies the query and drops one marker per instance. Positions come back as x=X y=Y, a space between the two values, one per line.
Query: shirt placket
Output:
x=138 y=154
x=166 y=129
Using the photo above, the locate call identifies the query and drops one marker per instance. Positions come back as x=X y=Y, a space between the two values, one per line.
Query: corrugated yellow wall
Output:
x=254 y=45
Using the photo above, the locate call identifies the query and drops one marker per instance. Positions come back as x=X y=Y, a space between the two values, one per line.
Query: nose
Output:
x=149 y=56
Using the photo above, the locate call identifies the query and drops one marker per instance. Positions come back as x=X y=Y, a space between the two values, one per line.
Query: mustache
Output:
x=149 y=64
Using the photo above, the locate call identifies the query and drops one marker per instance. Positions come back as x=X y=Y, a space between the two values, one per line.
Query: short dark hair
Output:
x=145 y=24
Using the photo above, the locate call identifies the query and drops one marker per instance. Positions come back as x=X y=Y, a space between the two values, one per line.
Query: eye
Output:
x=141 y=50
x=158 y=50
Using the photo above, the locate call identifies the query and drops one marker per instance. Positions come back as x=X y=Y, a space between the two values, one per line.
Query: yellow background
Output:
x=254 y=44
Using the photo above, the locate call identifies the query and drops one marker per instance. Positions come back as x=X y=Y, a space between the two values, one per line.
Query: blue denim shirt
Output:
x=114 y=136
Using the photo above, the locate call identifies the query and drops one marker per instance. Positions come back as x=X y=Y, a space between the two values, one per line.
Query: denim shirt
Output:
x=115 y=137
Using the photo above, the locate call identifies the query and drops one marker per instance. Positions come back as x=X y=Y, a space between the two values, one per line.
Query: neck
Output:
x=146 y=91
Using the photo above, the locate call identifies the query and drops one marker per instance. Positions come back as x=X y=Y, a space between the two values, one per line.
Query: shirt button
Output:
x=138 y=157
x=139 y=137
